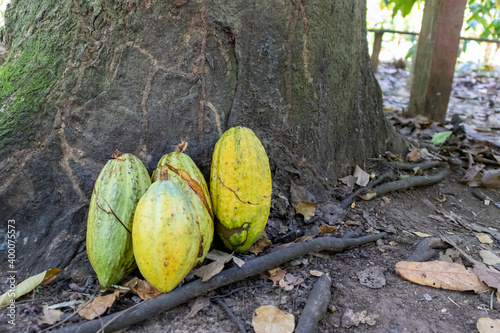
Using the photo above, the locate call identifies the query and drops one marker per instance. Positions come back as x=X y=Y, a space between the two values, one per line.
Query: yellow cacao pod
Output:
x=180 y=169
x=241 y=186
x=166 y=236
x=120 y=185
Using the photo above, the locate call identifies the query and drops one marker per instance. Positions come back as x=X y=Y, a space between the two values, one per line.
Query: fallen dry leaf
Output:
x=208 y=271
x=285 y=285
x=196 y=305
x=28 y=285
x=260 y=245
x=217 y=255
x=489 y=258
x=276 y=275
x=269 y=318
x=487 y=275
x=349 y=180
x=488 y=325
x=491 y=178
x=315 y=273
x=306 y=209
x=472 y=177
x=363 y=176
x=484 y=238
x=351 y=318
x=421 y=234
x=418 y=154
x=49 y=316
x=324 y=229
x=97 y=307
x=440 y=274
x=238 y=261
x=142 y=288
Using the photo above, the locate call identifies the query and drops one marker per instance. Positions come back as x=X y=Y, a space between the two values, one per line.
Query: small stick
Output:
x=147 y=309
x=406 y=183
x=410 y=166
x=235 y=319
x=316 y=306
x=347 y=201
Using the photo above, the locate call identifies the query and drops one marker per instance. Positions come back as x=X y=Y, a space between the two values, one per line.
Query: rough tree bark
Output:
x=84 y=78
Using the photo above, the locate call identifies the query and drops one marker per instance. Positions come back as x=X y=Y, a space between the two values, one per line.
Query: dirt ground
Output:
x=391 y=304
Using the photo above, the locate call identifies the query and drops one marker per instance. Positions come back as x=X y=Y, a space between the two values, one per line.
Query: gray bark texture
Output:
x=84 y=78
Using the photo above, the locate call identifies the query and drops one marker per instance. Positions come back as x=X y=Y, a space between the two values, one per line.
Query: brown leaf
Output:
x=293 y=280
x=269 y=318
x=285 y=285
x=472 y=176
x=142 y=288
x=315 y=273
x=49 y=316
x=484 y=238
x=417 y=154
x=324 y=229
x=260 y=245
x=276 y=275
x=440 y=274
x=307 y=209
x=487 y=275
x=196 y=305
x=208 y=271
x=97 y=307
x=491 y=178
x=488 y=325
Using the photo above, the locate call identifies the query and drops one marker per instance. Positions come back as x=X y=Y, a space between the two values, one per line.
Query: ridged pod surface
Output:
x=117 y=190
x=166 y=236
x=240 y=186
x=180 y=169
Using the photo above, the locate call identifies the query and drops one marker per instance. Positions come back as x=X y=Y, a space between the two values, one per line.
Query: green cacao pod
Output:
x=180 y=169
x=241 y=186
x=117 y=190
x=166 y=236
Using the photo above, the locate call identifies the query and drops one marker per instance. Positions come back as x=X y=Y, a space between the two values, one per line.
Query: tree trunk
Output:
x=84 y=78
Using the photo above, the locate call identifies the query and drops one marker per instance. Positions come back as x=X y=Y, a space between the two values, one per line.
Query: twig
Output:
x=197 y=288
x=235 y=319
x=406 y=183
x=316 y=306
x=411 y=166
x=347 y=201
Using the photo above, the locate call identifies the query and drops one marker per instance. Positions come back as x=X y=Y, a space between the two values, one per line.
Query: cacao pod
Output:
x=241 y=186
x=180 y=168
x=120 y=185
x=166 y=236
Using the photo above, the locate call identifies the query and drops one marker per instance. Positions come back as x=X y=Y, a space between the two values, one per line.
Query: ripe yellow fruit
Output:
x=180 y=168
x=166 y=235
x=240 y=187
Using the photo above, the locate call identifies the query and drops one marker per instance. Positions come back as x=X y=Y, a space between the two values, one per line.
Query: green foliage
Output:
x=403 y=6
x=483 y=13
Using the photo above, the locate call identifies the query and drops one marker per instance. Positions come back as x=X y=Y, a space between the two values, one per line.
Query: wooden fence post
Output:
x=436 y=58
